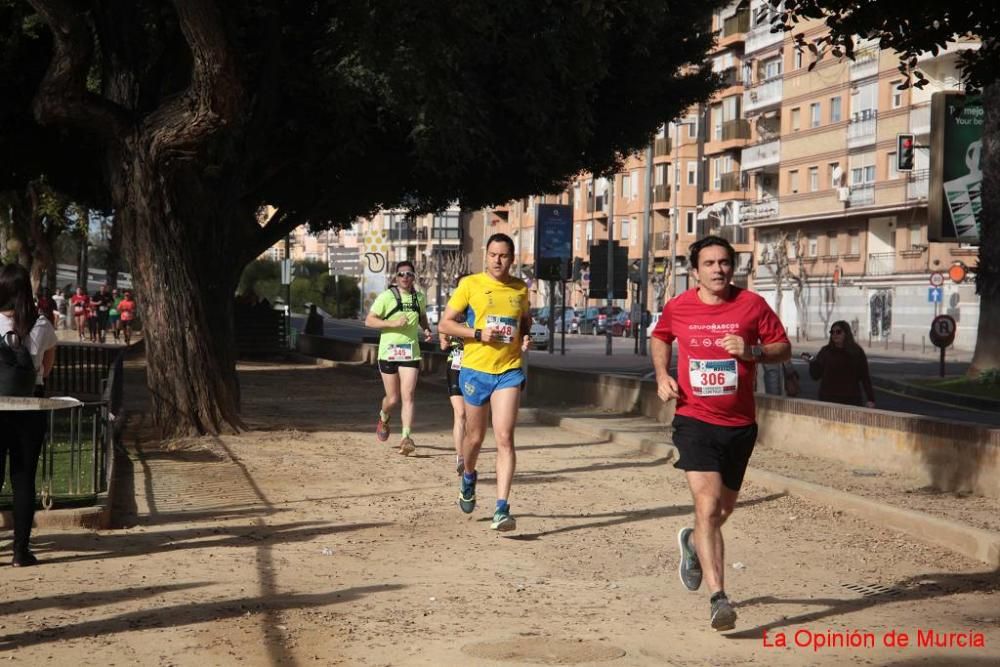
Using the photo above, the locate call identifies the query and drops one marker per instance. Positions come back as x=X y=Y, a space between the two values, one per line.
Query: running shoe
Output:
x=503 y=521
x=406 y=446
x=382 y=430
x=467 y=494
x=689 y=568
x=723 y=614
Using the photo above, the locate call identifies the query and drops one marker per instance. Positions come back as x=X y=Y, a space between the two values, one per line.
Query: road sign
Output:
x=934 y=294
x=957 y=272
x=943 y=329
x=937 y=279
x=286 y=272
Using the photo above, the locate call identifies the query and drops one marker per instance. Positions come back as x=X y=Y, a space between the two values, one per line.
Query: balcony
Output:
x=761 y=155
x=731 y=182
x=598 y=204
x=408 y=234
x=737 y=23
x=861 y=194
x=661 y=241
x=861 y=128
x=661 y=147
x=865 y=63
x=731 y=76
x=738 y=128
x=762 y=96
x=732 y=233
x=916 y=184
x=757 y=211
x=881 y=263
x=661 y=193
x=761 y=37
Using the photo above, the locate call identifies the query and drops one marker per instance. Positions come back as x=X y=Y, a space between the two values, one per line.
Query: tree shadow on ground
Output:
x=92 y=599
x=115 y=545
x=187 y=614
x=915 y=588
x=608 y=519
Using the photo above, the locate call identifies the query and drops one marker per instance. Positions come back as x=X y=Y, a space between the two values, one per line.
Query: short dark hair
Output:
x=403 y=263
x=700 y=244
x=501 y=238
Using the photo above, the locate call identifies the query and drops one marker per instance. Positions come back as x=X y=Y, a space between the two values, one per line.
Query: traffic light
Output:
x=904 y=152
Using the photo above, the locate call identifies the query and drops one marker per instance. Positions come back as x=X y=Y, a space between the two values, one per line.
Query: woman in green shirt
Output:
x=400 y=313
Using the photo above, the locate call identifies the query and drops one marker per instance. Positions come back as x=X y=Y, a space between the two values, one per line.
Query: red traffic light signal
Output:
x=904 y=152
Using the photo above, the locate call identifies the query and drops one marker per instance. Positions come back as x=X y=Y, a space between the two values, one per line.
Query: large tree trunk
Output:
x=987 y=354
x=185 y=277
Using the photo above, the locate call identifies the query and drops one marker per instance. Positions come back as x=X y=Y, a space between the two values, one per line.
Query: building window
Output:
x=814 y=114
x=793 y=181
x=772 y=68
x=854 y=242
x=626 y=186
x=635 y=184
x=916 y=238
x=692 y=126
x=835 y=110
x=812 y=246
x=576 y=196
x=661 y=174
x=796 y=112
x=797 y=59
x=832 y=248
x=813 y=179
x=690 y=219
x=590 y=232
x=576 y=237
x=717 y=122
x=834 y=169
x=717 y=173
x=692 y=171
x=897 y=94
x=891 y=166
x=625 y=232
x=447 y=226
x=863 y=175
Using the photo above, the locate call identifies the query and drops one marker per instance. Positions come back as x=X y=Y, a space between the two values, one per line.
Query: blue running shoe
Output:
x=503 y=521
x=467 y=494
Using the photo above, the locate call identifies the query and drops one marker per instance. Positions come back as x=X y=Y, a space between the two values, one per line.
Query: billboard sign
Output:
x=553 y=242
x=954 y=196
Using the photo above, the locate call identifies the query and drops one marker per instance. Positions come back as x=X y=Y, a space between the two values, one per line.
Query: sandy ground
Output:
x=305 y=541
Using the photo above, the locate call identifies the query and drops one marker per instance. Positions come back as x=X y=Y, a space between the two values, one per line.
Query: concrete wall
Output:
x=950 y=456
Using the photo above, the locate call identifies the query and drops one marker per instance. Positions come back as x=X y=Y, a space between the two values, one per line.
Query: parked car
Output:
x=621 y=325
x=569 y=321
x=539 y=334
x=595 y=321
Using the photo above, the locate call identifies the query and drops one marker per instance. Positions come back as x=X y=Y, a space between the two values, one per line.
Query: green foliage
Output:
x=311 y=283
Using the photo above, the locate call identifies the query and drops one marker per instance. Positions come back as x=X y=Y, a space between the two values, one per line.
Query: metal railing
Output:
x=738 y=128
x=916 y=184
x=881 y=263
x=661 y=146
x=737 y=23
x=761 y=155
x=862 y=194
x=661 y=193
x=75 y=462
x=763 y=95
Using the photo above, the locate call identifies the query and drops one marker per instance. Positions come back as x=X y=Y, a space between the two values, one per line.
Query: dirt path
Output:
x=307 y=542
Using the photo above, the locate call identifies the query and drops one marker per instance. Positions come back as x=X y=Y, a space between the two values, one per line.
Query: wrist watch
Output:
x=757 y=352
x=478 y=335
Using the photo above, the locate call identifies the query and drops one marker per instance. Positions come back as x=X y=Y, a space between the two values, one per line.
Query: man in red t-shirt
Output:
x=722 y=333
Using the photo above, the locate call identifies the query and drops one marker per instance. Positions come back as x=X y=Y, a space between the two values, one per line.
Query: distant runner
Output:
x=722 y=333
x=400 y=313
x=495 y=307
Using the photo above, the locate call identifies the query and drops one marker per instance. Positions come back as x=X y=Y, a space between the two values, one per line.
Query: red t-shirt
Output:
x=716 y=387
x=79 y=302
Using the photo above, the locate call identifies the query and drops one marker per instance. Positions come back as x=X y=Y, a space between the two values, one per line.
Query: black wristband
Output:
x=478 y=335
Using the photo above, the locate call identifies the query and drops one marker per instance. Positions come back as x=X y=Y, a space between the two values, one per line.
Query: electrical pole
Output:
x=644 y=262
x=611 y=263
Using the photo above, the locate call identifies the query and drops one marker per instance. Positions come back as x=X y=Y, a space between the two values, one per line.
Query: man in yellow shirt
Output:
x=496 y=328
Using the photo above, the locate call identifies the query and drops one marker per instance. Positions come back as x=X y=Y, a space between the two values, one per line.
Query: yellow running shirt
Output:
x=490 y=303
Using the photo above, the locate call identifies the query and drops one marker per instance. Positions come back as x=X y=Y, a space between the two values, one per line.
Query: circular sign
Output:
x=937 y=279
x=957 y=272
x=943 y=330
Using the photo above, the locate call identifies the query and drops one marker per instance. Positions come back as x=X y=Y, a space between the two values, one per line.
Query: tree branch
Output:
x=278 y=227
x=62 y=95
x=213 y=99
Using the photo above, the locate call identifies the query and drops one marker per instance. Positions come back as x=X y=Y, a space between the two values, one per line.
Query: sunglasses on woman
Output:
x=834 y=332
x=406 y=274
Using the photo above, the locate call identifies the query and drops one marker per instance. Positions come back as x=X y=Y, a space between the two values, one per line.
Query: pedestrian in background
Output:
x=842 y=369
x=21 y=326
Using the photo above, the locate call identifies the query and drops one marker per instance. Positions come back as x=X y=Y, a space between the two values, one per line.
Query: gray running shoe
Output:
x=689 y=568
x=503 y=521
x=723 y=615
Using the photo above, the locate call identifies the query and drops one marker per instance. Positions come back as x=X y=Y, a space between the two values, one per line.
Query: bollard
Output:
x=923 y=345
x=904 y=342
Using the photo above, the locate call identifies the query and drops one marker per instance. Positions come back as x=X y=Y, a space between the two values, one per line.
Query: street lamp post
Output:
x=644 y=262
x=675 y=210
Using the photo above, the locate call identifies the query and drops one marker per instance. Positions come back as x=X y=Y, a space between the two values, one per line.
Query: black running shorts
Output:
x=392 y=367
x=454 y=388
x=705 y=447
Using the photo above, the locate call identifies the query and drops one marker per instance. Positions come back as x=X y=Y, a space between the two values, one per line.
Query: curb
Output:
x=976 y=543
x=955 y=400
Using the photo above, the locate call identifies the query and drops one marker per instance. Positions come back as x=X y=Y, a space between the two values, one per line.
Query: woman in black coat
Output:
x=842 y=369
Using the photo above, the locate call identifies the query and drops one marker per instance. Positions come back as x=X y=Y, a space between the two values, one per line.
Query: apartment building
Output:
x=337 y=248
x=821 y=169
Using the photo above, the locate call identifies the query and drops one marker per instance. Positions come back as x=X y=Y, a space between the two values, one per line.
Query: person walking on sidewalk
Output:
x=722 y=332
x=400 y=313
x=497 y=321
x=842 y=369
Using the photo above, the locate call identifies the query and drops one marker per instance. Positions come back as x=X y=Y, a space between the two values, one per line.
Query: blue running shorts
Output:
x=477 y=387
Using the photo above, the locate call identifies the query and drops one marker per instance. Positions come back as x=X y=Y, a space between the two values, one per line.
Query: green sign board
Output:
x=954 y=197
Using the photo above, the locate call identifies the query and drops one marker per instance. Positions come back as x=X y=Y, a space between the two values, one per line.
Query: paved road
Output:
x=587 y=353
